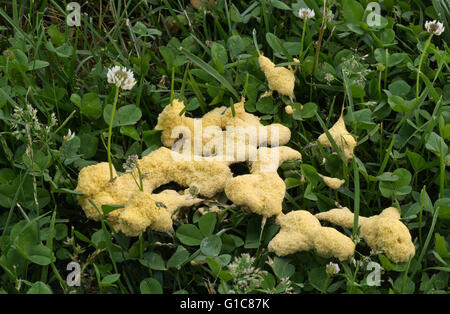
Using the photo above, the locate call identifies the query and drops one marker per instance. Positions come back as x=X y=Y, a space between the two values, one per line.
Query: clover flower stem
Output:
x=427 y=43
x=183 y=83
x=244 y=92
x=441 y=172
x=386 y=68
x=141 y=184
x=172 y=85
x=422 y=202
x=303 y=38
x=379 y=84
x=322 y=31
x=255 y=42
x=141 y=246
x=116 y=97
x=325 y=286
x=263 y=223
x=357 y=198
x=405 y=275
x=354 y=275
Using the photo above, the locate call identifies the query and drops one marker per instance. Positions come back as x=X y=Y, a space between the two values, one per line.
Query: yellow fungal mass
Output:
x=329 y=241
x=344 y=140
x=93 y=179
x=99 y=199
x=141 y=212
x=218 y=124
x=301 y=231
x=289 y=110
x=384 y=232
x=387 y=233
x=340 y=216
x=280 y=79
x=172 y=200
x=170 y=118
x=333 y=183
x=164 y=166
x=240 y=118
x=269 y=159
x=159 y=167
x=262 y=190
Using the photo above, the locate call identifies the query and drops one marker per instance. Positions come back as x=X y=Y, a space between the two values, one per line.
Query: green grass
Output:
x=209 y=59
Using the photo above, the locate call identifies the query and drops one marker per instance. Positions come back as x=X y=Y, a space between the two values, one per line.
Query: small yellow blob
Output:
x=280 y=79
x=333 y=183
x=344 y=140
x=289 y=110
x=169 y=119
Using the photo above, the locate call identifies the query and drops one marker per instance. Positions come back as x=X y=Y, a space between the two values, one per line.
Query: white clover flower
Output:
x=332 y=269
x=329 y=77
x=330 y=16
x=53 y=120
x=69 y=136
x=434 y=27
x=121 y=77
x=130 y=163
x=306 y=14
